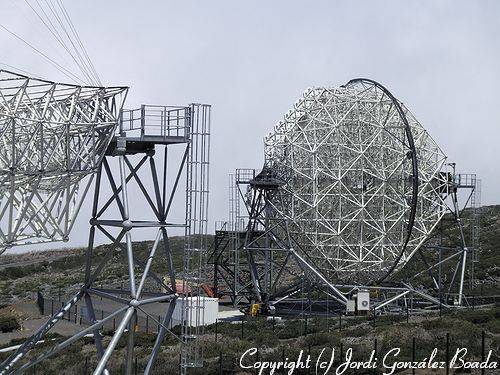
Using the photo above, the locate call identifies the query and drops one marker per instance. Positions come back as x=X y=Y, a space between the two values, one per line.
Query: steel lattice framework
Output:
x=52 y=135
x=181 y=135
x=363 y=182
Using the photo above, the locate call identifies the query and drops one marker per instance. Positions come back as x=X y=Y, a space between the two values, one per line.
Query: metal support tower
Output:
x=230 y=273
x=259 y=261
x=264 y=237
x=453 y=255
x=143 y=133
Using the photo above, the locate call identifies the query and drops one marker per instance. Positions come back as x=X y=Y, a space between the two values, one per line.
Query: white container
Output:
x=351 y=306
x=363 y=301
x=206 y=315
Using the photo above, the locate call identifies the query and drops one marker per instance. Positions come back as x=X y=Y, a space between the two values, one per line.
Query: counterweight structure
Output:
x=131 y=141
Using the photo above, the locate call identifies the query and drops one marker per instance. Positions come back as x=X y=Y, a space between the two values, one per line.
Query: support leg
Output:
x=160 y=337
x=111 y=346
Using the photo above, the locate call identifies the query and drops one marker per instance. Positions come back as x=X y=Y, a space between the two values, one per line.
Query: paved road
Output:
x=32 y=320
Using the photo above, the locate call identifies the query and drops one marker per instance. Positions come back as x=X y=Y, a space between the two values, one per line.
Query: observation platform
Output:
x=143 y=128
x=266 y=180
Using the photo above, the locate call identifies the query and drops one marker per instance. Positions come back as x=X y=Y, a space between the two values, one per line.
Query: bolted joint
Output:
x=121 y=146
x=127 y=224
x=134 y=303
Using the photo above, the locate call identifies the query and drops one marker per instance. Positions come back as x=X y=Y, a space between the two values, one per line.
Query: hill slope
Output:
x=51 y=271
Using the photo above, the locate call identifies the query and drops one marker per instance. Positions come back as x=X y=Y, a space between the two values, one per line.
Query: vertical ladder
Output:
x=475 y=224
x=195 y=247
x=234 y=212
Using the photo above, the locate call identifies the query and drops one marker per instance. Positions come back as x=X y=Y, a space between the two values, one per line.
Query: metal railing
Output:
x=465 y=180
x=156 y=120
x=244 y=175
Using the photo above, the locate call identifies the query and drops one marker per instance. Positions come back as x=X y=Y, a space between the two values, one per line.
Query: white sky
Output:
x=251 y=60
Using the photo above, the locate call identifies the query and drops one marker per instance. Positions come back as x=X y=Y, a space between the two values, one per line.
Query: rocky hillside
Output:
x=50 y=271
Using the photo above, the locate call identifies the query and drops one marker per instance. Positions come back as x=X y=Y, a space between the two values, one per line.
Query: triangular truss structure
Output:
x=363 y=183
x=52 y=136
x=362 y=189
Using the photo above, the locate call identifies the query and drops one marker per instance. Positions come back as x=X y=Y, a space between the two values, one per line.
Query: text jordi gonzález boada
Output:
x=388 y=362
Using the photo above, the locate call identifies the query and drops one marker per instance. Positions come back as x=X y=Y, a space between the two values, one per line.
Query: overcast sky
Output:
x=252 y=59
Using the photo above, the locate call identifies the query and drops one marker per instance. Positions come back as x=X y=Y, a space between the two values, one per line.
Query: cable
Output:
x=40 y=31
x=63 y=70
x=53 y=31
x=57 y=20
x=75 y=32
x=89 y=64
x=63 y=27
x=21 y=70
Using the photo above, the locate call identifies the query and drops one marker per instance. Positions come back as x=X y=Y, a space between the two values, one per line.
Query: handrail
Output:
x=156 y=120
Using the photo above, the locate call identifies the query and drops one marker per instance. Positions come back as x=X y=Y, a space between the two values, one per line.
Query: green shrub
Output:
x=8 y=323
x=321 y=339
x=290 y=330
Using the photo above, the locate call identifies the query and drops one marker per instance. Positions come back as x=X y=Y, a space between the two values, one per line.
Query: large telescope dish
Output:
x=364 y=187
x=52 y=136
